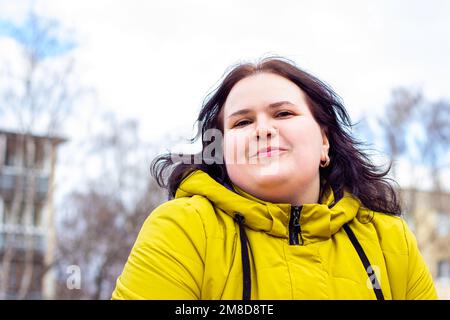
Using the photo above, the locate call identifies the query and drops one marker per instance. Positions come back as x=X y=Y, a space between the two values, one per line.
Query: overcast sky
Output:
x=156 y=60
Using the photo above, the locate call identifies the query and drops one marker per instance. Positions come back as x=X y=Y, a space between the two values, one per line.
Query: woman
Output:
x=286 y=206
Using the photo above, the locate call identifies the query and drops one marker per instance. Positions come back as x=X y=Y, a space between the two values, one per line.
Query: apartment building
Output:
x=27 y=235
x=428 y=214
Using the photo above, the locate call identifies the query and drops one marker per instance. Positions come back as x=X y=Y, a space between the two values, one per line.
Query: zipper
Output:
x=295 y=232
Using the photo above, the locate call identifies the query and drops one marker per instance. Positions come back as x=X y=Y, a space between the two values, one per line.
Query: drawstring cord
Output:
x=246 y=262
x=245 y=258
x=362 y=256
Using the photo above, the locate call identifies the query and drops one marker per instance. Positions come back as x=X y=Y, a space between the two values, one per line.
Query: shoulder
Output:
x=192 y=215
x=182 y=209
x=392 y=231
x=409 y=273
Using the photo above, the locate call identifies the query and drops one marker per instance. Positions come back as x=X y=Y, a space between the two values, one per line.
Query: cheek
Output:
x=306 y=140
x=229 y=140
x=236 y=162
x=235 y=146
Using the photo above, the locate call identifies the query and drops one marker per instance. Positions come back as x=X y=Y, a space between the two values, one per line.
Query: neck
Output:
x=309 y=195
x=303 y=195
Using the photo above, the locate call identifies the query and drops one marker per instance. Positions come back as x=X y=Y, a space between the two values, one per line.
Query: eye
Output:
x=283 y=114
x=241 y=123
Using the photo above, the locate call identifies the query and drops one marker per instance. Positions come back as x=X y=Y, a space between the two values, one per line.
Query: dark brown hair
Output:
x=350 y=168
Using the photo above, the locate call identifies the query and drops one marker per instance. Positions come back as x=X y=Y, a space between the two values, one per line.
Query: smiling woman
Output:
x=286 y=126
x=292 y=208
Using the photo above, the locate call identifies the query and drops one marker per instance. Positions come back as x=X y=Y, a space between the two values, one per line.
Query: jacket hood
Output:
x=318 y=221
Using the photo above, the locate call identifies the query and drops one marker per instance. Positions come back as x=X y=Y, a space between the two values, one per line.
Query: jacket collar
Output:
x=317 y=221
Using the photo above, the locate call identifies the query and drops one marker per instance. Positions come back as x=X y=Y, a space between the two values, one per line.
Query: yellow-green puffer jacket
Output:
x=191 y=248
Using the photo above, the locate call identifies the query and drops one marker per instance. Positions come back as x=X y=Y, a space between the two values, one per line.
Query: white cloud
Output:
x=147 y=57
x=156 y=60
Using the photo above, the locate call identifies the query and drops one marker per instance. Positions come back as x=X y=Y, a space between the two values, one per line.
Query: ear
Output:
x=325 y=146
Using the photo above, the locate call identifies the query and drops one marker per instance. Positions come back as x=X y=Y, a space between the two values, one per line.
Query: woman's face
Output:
x=272 y=143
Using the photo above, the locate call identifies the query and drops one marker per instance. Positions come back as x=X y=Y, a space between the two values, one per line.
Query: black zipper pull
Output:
x=294 y=226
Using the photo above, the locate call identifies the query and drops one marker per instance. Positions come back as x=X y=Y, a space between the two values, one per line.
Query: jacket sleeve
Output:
x=420 y=284
x=166 y=261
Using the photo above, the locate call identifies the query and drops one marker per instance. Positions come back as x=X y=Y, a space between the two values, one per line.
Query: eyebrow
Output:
x=270 y=106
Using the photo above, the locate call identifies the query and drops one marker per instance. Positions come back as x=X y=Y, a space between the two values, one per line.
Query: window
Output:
x=7 y=212
x=2 y=211
x=10 y=151
x=40 y=156
x=11 y=217
x=443 y=224
x=443 y=270
x=2 y=149
x=37 y=214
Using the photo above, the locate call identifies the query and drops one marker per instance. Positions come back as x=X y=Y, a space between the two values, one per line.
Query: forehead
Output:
x=261 y=90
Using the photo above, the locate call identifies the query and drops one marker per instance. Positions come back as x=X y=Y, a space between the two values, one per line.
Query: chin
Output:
x=270 y=178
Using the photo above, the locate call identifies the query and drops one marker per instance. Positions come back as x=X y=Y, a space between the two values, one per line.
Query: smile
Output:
x=270 y=153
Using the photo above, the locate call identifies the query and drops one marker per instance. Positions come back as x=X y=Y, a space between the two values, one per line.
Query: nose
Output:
x=265 y=133
x=264 y=129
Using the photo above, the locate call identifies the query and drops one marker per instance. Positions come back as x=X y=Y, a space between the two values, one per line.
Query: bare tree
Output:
x=396 y=120
x=38 y=97
x=418 y=131
x=102 y=222
x=434 y=141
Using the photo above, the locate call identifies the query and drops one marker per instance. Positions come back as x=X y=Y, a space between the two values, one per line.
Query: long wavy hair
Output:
x=350 y=168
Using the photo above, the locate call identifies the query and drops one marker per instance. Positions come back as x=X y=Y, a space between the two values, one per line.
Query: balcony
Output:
x=20 y=237
x=9 y=177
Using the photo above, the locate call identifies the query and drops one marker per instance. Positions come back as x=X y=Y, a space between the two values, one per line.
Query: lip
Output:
x=270 y=152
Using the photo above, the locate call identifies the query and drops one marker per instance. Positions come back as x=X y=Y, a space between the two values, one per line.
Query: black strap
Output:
x=375 y=284
x=245 y=259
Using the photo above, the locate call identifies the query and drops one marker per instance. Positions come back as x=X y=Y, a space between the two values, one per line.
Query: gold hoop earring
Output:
x=326 y=164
